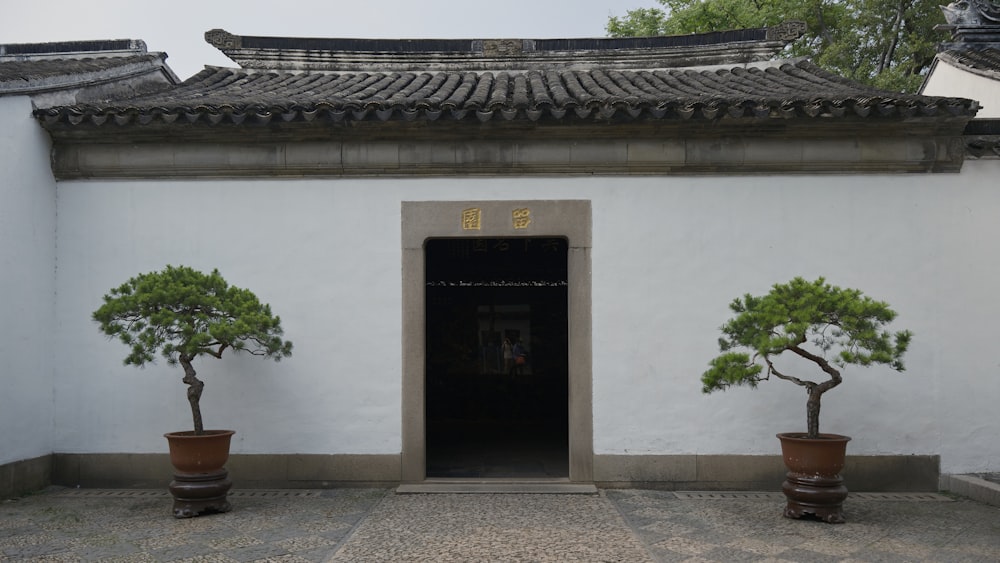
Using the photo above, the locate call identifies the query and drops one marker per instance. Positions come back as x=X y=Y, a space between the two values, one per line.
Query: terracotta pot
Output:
x=206 y=453
x=823 y=456
x=813 y=485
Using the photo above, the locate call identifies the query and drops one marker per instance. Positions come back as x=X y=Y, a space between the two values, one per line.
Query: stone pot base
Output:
x=200 y=493
x=820 y=497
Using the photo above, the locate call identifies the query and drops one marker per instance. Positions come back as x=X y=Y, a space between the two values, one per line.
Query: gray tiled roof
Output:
x=781 y=89
x=25 y=71
x=982 y=60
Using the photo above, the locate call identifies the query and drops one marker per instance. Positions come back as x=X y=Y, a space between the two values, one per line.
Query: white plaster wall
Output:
x=27 y=283
x=669 y=254
x=948 y=80
x=923 y=243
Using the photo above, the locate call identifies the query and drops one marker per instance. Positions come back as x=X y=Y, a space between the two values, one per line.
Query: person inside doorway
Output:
x=520 y=359
x=508 y=357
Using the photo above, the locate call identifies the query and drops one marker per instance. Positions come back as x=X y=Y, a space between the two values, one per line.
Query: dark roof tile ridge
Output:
x=642 y=81
x=539 y=92
x=480 y=93
x=671 y=83
x=577 y=91
x=759 y=81
x=461 y=92
x=227 y=41
x=625 y=82
x=498 y=96
x=341 y=54
x=72 y=49
x=722 y=81
x=606 y=79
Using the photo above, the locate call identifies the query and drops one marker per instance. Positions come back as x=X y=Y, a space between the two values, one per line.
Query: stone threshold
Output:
x=500 y=486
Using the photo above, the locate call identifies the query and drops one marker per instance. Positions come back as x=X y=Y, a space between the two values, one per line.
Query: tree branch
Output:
x=771 y=369
x=835 y=378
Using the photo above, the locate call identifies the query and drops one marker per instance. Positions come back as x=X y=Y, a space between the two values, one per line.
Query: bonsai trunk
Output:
x=812 y=412
x=195 y=387
x=815 y=390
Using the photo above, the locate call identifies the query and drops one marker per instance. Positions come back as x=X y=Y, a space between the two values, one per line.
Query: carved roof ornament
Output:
x=972 y=12
x=973 y=21
x=786 y=31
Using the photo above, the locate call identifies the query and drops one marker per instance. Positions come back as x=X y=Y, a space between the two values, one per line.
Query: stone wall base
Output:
x=25 y=476
x=248 y=471
x=891 y=473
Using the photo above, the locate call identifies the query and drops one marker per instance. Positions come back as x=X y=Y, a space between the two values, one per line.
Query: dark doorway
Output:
x=485 y=417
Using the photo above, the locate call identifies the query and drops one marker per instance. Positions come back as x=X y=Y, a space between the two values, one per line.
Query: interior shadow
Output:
x=486 y=415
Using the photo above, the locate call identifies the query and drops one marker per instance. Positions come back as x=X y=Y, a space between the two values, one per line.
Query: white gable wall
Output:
x=947 y=80
x=27 y=283
x=668 y=256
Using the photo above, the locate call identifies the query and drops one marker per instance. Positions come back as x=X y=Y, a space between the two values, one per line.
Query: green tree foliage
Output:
x=824 y=324
x=888 y=44
x=182 y=314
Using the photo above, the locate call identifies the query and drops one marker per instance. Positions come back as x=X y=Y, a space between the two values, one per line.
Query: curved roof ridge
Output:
x=344 y=54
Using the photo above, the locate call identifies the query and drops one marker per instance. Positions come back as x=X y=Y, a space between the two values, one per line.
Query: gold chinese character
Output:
x=522 y=218
x=472 y=219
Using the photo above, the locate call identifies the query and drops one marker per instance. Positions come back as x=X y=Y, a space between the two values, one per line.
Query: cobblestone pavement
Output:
x=493 y=527
x=379 y=525
x=127 y=526
x=880 y=527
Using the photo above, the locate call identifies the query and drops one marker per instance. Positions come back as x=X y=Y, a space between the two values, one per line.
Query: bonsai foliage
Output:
x=182 y=314
x=826 y=325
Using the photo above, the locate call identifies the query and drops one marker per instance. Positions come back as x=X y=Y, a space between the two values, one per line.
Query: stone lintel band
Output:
x=737 y=155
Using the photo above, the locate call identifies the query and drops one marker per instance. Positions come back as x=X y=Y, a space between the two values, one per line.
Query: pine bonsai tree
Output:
x=183 y=314
x=827 y=325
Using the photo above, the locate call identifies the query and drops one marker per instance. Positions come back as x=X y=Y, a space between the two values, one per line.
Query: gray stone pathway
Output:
x=378 y=525
x=126 y=526
x=493 y=527
x=880 y=527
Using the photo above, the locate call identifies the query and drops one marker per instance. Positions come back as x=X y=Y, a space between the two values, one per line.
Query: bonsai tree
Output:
x=183 y=314
x=826 y=325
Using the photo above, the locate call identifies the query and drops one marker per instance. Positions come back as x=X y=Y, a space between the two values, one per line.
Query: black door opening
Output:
x=487 y=417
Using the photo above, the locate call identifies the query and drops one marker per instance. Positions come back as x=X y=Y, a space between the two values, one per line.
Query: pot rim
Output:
x=801 y=437
x=189 y=434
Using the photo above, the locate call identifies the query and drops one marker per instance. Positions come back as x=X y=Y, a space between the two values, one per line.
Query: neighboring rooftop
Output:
x=969 y=64
x=74 y=71
x=975 y=37
x=982 y=60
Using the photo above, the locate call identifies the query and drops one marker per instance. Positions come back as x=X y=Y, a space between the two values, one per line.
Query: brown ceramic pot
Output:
x=206 y=453
x=201 y=483
x=813 y=485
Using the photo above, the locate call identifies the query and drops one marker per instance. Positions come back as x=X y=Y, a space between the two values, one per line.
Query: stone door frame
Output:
x=569 y=219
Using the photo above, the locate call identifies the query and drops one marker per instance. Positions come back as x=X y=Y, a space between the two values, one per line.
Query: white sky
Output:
x=177 y=27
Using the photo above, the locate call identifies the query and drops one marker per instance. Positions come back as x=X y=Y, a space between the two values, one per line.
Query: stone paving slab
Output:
x=378 y=525
x=127 y=526
x=493 y=527
x=880 y=527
